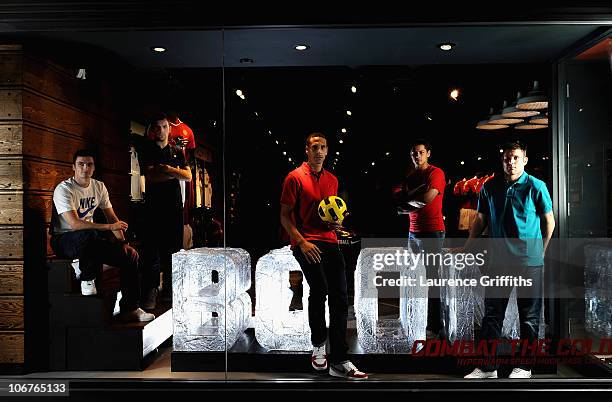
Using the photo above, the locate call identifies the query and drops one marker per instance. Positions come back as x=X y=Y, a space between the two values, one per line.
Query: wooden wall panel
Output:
x=49 y=113
x=10 y=104
x=11 y=66
x=43 y=175
x=11 y=174
x=57 y=82
x=11 y=312
x=46 y=144
x=11 y=279
x=11 y=243
x=12 y=347
x=11 y=142
x=11 y=208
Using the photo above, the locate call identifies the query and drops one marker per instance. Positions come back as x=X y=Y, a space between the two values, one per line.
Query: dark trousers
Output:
x=529 y=300
x=431 y=243
x=327 y=278
x=163 y=236
x=94 y=248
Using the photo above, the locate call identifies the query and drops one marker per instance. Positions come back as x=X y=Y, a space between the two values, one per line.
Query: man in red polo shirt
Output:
x=422 y=194
x=315 y=247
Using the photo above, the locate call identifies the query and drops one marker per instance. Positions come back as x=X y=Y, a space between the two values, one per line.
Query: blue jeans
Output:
x=430 y=243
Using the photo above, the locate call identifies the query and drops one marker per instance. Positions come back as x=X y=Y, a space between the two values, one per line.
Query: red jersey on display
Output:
x=181 y=130
x=429 y=218
x=303 y=189
x=178 y=129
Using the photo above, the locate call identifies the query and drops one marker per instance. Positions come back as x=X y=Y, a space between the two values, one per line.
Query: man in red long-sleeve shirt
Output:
x=421 y=195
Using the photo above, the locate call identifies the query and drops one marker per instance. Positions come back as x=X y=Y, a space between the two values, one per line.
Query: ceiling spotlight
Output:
x=289 y=159
x=341 y=142
x=479 y=158
x=388 y=153
x=269 y=132
x=446 y=46
x=239 y=92
x=343 y=130
x=348 y=112
x=354 y=89
x=301 y=48
x=158 y=49
x=373 y=163
x=454 y=94
x=501 y=151
x=284 y=152
x=429 y=118
x=462 y=162
x=337 y=152
x=276 y=142
x=256 y=114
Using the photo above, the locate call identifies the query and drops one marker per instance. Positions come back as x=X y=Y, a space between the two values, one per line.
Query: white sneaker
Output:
x=520 y=373
x=347 y=370
x=88 y=288
x=319 y=358
x=478 y=373
x=138 y=315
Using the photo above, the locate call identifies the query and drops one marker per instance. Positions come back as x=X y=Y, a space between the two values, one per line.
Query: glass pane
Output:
x=589 y=220
x=372 y=92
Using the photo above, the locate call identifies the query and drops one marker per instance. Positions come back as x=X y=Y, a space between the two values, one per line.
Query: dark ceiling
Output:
x=274 y=47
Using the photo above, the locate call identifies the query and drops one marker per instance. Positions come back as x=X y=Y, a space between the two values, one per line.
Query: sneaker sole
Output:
x=323 y=368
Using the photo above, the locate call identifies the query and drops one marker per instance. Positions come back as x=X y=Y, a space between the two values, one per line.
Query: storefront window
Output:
x=311 y=203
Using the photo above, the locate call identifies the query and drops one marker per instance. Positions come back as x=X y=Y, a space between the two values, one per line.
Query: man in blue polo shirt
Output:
x=517 y=210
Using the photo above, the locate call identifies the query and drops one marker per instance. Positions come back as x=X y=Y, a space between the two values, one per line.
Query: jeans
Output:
x=327 y=278
x=430 y=243
x=94 y=248
x=529 y=300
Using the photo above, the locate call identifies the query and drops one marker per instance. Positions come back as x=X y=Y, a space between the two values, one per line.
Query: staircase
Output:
x=83 y=331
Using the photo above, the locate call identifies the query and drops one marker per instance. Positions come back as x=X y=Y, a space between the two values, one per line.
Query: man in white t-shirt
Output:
x=76 y=235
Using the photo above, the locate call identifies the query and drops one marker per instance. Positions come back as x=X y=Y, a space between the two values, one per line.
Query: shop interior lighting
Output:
x=542 y=118
x=501 y=119
x=535 y=100
x=446 y=46
x=528 y=126
x=454 y=94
